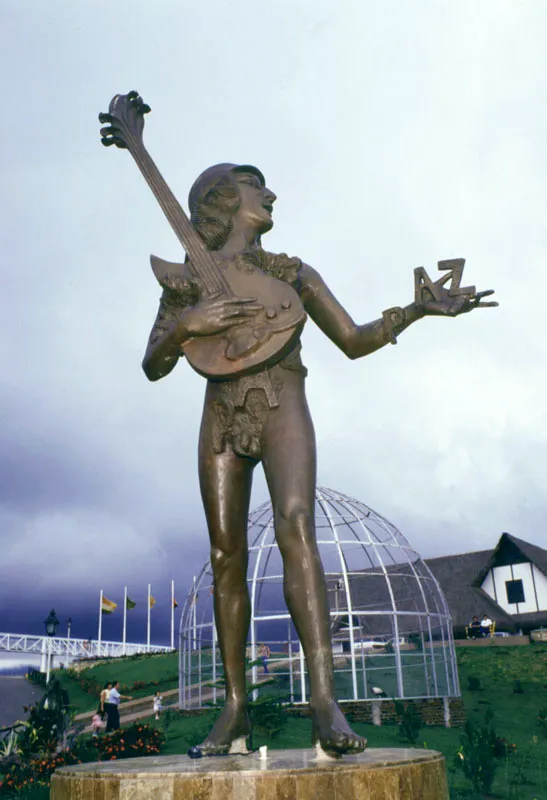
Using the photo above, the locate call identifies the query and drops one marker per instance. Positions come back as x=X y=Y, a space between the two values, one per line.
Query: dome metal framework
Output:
x=391 y=627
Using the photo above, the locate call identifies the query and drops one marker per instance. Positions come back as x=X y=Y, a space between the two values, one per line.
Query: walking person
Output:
x=113 y=707
x=103 y=700
x=264 y=654
x=157 y=704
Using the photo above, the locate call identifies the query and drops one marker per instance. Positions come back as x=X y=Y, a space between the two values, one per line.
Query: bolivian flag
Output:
x=108 y=606
x=129 y=604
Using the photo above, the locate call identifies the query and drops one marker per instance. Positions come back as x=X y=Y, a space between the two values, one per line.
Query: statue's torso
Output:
x=237 y=409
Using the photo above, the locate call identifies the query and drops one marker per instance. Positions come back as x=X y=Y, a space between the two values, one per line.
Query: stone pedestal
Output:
x=376 y=774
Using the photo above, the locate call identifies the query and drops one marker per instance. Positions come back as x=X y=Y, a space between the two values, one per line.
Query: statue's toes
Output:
x=358 y=744
x=342 y=744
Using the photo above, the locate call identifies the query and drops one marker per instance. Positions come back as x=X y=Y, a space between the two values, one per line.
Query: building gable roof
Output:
x=537 y=555
x=510 y=550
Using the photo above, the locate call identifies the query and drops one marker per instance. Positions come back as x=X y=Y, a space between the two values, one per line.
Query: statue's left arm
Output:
x=360 y=340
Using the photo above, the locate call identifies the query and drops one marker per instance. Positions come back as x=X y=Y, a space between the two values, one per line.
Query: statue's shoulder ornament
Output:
x=281 y=266
x=180 y=283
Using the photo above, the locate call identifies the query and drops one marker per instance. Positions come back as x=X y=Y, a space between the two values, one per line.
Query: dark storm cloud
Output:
x=41 y=468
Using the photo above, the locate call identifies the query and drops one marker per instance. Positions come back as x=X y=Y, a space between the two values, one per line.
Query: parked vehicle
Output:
x=369 y=644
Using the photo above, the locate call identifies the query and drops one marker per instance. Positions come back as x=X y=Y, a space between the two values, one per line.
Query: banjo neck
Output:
x=125 y=120
x=207 y=270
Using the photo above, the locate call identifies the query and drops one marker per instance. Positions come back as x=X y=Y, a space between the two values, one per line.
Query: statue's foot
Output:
x=331 y=729
x=228 y=734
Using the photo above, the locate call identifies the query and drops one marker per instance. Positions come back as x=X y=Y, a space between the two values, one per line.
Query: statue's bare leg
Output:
x=225 y=481
x=289 y=459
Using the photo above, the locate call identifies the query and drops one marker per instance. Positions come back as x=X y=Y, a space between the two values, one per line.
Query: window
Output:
x=515 y=591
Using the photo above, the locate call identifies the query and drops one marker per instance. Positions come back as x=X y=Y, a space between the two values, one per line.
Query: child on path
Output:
x=96 y=724
x=157 y=704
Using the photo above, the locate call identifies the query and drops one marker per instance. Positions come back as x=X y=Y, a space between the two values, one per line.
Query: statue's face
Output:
x=255 y=201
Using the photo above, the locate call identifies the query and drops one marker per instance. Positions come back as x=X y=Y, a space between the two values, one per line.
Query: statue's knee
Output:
x=295 y=521
x=225 y=559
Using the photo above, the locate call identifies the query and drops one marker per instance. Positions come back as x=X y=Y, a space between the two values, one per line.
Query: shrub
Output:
x=46 y=723
x=268 y=716
x=476 y=755
x=474 y=683
x=410 y=722
x=503 y=748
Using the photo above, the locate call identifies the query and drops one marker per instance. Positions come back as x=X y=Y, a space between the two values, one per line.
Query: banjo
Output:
x=257 y=343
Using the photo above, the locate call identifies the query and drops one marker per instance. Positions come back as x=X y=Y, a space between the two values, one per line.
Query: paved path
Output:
x=141 y=708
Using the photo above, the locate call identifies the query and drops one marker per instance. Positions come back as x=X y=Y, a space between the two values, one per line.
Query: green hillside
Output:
x=508 y=682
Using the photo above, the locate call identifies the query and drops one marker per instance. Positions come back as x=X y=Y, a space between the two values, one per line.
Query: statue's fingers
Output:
x=487 y=293
x=230 y=323
x=487 y=305
x=237 y=300
x=241 y=312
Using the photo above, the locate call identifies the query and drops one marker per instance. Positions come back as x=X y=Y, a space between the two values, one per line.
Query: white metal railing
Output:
x=73 y=648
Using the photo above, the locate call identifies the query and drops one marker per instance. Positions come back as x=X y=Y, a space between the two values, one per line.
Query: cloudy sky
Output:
x=395 y=134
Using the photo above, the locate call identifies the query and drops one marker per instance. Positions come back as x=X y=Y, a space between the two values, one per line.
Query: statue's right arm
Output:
x=165 y=341
x=174 y=325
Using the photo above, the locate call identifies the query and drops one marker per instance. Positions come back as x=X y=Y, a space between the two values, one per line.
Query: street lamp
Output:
x=68 y=627
x=51 y=623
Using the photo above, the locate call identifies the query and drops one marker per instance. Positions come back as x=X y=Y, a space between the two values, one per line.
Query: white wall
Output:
x=541 y=588
x=494 y=586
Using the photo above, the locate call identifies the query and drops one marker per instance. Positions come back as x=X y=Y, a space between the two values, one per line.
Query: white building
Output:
x=509 y=584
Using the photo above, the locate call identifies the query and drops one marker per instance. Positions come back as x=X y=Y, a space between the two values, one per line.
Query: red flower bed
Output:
x=136 y=740
x=34 y=772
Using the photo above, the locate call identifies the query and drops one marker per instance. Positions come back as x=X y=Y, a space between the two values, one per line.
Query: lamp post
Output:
x=51 y=623
x=68 y=628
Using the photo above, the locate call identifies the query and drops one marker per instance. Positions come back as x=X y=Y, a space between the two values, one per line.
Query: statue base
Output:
x=376 y=774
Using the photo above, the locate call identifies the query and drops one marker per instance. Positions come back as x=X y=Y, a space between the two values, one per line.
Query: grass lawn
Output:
x=512 y=685
x=162 y=668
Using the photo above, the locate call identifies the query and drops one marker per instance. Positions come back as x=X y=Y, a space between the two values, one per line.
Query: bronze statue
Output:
x=237 y=312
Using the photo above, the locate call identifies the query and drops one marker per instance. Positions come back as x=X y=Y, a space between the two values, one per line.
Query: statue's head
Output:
x=223 y=191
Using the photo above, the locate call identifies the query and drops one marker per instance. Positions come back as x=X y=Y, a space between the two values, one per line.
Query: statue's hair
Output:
x=212 y=213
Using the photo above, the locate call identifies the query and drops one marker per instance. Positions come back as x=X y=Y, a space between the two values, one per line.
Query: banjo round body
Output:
x=258 y=342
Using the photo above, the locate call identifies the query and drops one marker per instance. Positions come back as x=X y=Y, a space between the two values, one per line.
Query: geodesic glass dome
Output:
x=391 y=627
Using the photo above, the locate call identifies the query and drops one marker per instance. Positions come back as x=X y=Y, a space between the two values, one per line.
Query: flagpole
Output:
x=148 y=621
x=194 y=600
x=172 y=615
x=100 y=633
x=124 y=617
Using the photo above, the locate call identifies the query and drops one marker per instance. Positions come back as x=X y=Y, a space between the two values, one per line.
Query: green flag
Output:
x=130 y=604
